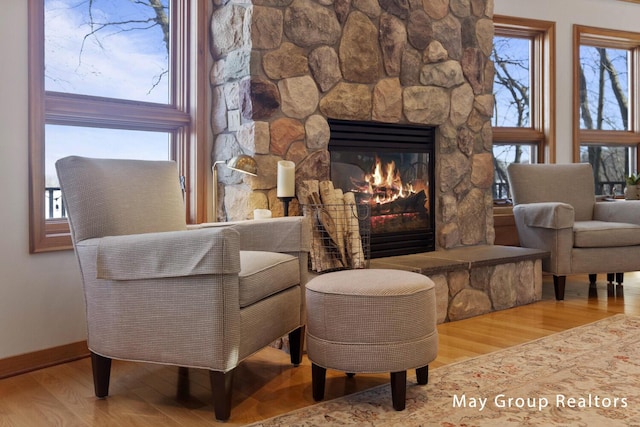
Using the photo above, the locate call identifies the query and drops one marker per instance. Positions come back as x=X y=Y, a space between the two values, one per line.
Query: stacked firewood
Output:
x=337 y=242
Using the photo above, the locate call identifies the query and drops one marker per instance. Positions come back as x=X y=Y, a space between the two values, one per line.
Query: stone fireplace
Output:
x=283 y=68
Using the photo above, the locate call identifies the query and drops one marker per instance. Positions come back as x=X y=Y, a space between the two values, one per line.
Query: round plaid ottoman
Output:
x=371 y=321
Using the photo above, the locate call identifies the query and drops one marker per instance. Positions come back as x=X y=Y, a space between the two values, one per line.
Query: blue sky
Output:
x=116 y=63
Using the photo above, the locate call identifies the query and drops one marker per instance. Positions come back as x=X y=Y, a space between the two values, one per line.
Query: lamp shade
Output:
x=243 y=163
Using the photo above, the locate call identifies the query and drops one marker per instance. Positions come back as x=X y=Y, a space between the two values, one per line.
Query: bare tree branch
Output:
x=160 y=18
x=519 y=91
x=585 y=112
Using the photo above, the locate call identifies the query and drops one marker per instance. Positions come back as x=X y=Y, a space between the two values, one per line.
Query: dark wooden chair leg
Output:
x=221 y=384
x=296 y=343
x=619 y=281
x=399 y=389
x=101 y=367
x=593 y=286
x=559 y=285
x=184 y=388
x=318 y=374
x=422 y=375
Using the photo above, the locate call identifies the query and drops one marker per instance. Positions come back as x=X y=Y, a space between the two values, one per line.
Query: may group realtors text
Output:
x=502 y=401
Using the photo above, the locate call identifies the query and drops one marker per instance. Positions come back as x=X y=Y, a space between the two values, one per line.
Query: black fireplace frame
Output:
x=353 y=135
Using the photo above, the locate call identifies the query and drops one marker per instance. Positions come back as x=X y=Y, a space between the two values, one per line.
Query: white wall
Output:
x=41 y=303
x=614 y=14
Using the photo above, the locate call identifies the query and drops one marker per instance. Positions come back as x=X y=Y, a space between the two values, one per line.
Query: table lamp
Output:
x=242 y=163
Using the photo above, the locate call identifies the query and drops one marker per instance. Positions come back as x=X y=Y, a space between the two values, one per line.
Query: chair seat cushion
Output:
x=602 y=234
x=266 y=273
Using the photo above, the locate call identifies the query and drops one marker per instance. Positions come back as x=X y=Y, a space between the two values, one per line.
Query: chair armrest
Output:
x=282 y=234
x=553 y=215
x=627 y=211
x=168 y=254
x=547 y=226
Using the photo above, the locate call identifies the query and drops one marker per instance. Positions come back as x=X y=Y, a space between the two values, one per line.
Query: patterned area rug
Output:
x=586 y=376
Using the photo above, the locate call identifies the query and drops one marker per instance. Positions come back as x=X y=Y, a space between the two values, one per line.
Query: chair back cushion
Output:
x=109 y=197
x=566 y=183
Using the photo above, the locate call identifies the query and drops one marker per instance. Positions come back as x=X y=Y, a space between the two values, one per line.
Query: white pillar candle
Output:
x=261 y=214
x=286 y=178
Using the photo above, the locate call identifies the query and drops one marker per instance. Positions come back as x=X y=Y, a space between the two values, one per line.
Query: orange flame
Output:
x=385 y=183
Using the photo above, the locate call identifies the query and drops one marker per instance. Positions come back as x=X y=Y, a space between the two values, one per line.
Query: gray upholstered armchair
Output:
x=555 y=209
x=159 y=291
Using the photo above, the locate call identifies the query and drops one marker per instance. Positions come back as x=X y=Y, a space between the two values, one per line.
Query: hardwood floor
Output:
x=266 y=384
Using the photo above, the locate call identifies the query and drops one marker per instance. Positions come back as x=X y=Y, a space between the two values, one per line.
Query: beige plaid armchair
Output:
x=555 y=209
x=159 y=291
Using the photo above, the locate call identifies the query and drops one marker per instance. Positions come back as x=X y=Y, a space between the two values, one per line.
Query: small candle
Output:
x=286 y=179
x=261 y=214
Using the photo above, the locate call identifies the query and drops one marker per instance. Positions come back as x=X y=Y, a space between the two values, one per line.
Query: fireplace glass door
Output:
x=389 y=168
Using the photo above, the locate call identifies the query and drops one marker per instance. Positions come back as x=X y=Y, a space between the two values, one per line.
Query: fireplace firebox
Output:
x=390 y=167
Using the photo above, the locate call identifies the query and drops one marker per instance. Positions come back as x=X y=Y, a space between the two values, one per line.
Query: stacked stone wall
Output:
x=282 y=67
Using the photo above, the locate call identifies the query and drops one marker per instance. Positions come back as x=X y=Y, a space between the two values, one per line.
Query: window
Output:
x=114 y=79
x=524 y=90
x=605 y=106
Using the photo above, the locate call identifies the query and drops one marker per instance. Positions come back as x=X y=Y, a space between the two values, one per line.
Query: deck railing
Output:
x=603 y=188
x=54 y=206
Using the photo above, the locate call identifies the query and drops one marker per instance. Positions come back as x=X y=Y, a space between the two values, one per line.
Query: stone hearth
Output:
x=282 y=67
x=476 y=280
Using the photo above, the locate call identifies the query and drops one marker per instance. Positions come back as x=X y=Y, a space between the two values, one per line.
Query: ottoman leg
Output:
x=399 y=389
x=422 y=375
x=318 y=374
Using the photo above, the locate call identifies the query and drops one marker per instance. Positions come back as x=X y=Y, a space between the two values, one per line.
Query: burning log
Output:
x=413 y=203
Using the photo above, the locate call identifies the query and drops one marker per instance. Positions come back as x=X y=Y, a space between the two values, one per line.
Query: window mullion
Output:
x=535 y=88
x=510 y=134
x=608 y=137
x=82 y=110
x=634 y=90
